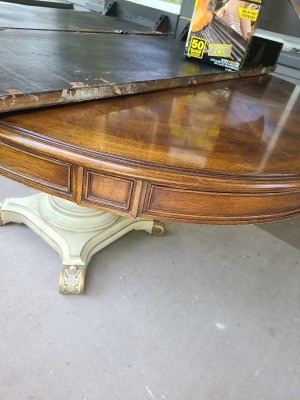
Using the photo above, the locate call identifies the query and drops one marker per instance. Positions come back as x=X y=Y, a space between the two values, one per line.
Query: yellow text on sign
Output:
x=197 y=47
x=245 y=13
x=219 y=50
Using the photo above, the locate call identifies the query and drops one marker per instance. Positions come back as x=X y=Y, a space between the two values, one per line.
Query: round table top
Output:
x=237 y=136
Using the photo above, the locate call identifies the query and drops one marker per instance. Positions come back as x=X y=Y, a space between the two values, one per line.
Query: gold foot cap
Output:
x=72 y=279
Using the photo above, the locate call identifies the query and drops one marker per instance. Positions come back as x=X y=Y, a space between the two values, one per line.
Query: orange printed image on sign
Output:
x=236 y=14
x=202 y=16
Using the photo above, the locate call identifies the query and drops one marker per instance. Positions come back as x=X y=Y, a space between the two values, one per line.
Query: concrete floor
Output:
x=204 y=313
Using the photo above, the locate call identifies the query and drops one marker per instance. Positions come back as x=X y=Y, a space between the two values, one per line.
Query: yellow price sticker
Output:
x=246 y=13
x=197 y=47
x=219 y=50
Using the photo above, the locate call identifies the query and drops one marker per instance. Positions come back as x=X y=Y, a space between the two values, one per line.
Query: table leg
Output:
x=75 y=232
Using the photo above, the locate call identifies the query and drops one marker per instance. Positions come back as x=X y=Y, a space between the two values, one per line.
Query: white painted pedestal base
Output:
x=75 y=232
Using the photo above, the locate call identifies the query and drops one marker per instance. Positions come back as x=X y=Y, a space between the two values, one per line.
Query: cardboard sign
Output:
x=222 y=33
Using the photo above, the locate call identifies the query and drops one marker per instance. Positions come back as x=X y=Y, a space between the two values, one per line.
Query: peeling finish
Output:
x=105 y=81
x=80 y=94
x=72 y=95
x=117 y=91
x=87 y=68
x=76 y=85
x=13 y=91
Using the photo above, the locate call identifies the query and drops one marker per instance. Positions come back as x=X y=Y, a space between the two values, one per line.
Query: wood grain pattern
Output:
x=108 y=190
x=224 y=152
x=47 y=172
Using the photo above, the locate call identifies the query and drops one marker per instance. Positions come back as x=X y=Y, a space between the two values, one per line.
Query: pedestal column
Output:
x=75 y=232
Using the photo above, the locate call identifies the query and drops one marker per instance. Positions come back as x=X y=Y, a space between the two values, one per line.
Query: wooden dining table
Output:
x=216 y=153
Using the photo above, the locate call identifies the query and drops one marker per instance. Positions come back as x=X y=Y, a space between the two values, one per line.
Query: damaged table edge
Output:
x=19 y=101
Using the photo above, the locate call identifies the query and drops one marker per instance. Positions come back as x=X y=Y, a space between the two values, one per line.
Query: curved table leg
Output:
x=75 y=232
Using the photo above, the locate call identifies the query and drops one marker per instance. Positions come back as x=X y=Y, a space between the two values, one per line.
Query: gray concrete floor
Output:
x=204 y=313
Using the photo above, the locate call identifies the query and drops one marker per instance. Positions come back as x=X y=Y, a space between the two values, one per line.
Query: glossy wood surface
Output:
x=225 y=152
